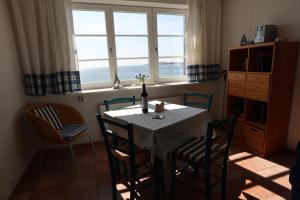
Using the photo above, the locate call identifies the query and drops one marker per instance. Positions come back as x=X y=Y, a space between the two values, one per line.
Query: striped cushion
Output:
x=194 y=150
x=49 y=114
x=71 y=130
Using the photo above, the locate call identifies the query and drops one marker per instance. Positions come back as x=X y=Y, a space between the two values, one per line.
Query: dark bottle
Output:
x=144 y=97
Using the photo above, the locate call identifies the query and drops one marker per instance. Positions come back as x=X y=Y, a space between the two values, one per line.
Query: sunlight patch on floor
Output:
x=257 y=192
x=254 y=163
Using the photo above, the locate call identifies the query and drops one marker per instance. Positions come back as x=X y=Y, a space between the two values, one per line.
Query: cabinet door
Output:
x=254 y=138
x=236 y=92
x=258 y=78
x=237 y=76
x=259 y=87
x=259 y=96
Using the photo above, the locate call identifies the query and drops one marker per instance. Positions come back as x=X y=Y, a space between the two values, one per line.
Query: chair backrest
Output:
x=48 y=113
x=110 y=138
x=219 y=138
x=200 y=100
x=47 y=122
x=109 y=102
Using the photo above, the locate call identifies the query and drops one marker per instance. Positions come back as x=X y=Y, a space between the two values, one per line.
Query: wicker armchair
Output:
x=57 y=124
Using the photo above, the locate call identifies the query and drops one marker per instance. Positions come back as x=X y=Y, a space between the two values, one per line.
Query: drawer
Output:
x=258 y=78
x=238 y=76
x=237 y=84
x=236 y=92
x=259 y=96
x=254 y=137
x=259 y=87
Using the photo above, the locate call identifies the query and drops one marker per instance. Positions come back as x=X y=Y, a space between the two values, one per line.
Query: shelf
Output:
x=266 y=44
x=254 y=73
x=261 y=59
x=257 y=124
x=239 y=60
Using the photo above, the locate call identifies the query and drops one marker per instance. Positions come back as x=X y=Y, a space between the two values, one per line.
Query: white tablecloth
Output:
x=162 y=135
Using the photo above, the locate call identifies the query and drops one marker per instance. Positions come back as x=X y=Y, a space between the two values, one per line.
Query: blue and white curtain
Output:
x=204 y=40
x=44 y=39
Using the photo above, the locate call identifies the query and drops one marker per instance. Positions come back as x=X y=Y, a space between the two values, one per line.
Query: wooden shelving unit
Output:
x=260 y=85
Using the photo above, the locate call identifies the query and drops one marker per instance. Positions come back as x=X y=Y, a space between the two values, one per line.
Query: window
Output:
x=131 y=37
x=171 y=45
x=91 y=43
x=128 y=41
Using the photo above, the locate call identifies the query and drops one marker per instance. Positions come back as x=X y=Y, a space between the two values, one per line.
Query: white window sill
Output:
x=133 y=87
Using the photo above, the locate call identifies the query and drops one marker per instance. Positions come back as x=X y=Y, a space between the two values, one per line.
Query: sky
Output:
x=93 y=46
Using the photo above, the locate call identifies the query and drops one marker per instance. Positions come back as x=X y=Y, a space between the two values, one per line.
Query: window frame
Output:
x=130 y=9
x=105 y=9
x=152 y=41
x=166 y=11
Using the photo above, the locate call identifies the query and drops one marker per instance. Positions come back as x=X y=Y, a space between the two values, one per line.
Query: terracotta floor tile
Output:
x=81 y=189
x=249 y=177
x=55 y=192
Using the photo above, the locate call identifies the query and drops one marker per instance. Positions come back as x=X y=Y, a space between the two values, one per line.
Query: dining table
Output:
x=162 y=132
x=179 y=123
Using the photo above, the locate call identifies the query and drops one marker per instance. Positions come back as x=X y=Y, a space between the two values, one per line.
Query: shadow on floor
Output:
x=249 y=177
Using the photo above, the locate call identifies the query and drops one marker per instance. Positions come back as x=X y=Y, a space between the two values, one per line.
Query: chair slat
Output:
x=109 y=102
x=114 y=147
x=205 y=105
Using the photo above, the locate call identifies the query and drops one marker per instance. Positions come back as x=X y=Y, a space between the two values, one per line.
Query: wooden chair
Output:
x=204 y=100
x=109 y=102
x=128 y=155
x=58 y=124
x=200 y=154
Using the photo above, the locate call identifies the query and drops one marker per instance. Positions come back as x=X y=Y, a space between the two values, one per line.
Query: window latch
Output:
x=111 y=52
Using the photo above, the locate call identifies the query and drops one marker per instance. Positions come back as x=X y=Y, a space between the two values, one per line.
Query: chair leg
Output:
x=173 y=168
x=207 y=185
x=113 y=185
x=92 y=144
x=125 y=172
x=72 y=153
x=195 y=172
x=162 y=177
x=223 y=182
x=156 y=179
x=132 y=188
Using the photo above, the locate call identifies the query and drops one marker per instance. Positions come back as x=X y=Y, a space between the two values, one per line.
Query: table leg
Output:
x=157 y=188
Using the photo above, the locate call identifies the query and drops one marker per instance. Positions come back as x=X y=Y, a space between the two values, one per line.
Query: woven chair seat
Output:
x=141 y=156
x=68 y=132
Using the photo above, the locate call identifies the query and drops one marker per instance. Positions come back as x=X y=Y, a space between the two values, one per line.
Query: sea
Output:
x=96 y=74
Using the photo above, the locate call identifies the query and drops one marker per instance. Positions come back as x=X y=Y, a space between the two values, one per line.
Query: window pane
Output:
x=94 y=71
x=129 y=47
x=128 y=69
x=91 y=47
x=130 y=23
x=170 y=24
x=89 y=22
x=171 y=67
x=170 y=46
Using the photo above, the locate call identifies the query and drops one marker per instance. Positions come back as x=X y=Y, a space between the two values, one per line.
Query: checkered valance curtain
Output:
x=43 y=34
x=204 y=40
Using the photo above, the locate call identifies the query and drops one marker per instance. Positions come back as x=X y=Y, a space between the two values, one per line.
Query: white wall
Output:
x=243 y=16
x=16 y=146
